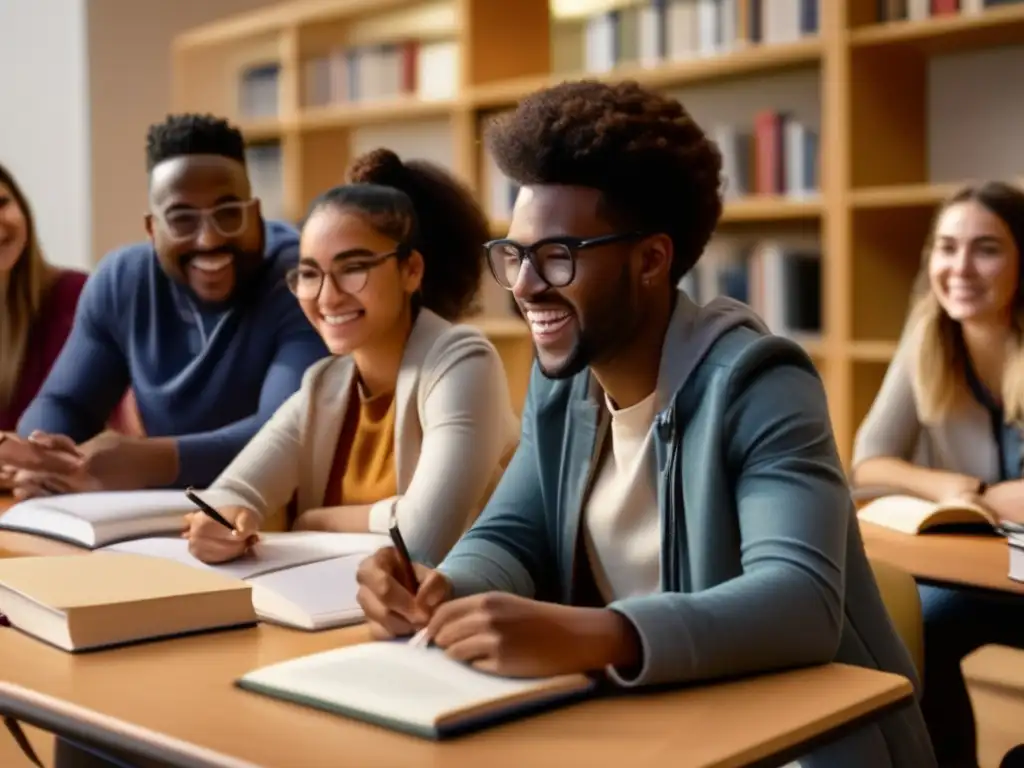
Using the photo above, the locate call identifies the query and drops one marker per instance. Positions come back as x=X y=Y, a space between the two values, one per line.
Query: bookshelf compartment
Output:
x=431 y=140
x=324 y=157
x=378 y=67
x=888 y=118
x=241 y=81
x=778 y=274
x=867 y=379
x=888 y=242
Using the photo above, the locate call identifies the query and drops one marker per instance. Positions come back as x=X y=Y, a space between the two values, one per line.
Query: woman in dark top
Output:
x=37 y=305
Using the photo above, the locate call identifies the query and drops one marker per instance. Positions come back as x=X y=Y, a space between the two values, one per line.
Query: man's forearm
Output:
x=137 y=463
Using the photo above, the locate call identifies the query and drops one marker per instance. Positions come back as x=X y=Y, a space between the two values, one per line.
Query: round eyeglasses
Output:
x=227 y=219
x=349 y=273
x=553 y=258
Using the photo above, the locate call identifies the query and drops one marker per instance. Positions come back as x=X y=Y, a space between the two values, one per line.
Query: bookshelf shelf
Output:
x=264 y=130
x=900 y=196
x=946 y=34
x=756 y=209
x=282 y=17
x=770 y=208
x=872 y=351
x=502 y=328
x=755 y=59
x=861 y=82
x=401 y=109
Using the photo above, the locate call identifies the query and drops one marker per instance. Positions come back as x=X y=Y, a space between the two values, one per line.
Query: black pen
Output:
x=209 y=510
x=403 y=555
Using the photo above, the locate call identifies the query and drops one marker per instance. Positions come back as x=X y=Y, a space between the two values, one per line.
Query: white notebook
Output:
x=409 y=688
x=305 y=579
x=274 y=552
x=314 y=596
x=95 y=519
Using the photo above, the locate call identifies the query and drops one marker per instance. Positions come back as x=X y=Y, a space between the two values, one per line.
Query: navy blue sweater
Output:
x=210 y=377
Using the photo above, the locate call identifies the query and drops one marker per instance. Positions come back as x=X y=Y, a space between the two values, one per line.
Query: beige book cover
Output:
x=912 y=515
x=87 y=602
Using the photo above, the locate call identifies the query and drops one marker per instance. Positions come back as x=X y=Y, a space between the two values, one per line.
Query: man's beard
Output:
x=246 y=264
x=601 y=342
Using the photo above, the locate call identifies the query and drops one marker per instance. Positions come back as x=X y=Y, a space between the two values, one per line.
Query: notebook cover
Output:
x=468 y=725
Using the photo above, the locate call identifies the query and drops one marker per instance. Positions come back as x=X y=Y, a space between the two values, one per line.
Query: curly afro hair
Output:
x=424 y=206
x=192 y=134
x=655 y=168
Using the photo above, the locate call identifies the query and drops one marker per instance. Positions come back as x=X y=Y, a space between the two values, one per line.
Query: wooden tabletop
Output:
x=174 y=701
x=945 y=558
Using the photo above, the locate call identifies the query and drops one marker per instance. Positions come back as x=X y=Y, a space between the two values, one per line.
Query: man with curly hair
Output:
x=197 y=322
x=677 y=510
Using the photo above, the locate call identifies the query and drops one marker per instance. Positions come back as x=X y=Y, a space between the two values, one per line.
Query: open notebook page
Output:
x=274 y=552
x=394 y=680
x=322 y=593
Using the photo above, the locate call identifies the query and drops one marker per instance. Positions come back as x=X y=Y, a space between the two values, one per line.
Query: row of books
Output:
x=916 y=10
x=675 y=30
x=780 y=279
x=779 y=155
x=427 y=70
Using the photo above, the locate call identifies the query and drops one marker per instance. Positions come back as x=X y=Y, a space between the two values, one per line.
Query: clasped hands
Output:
x=42 y=465
x=47 y=464
x=494 y=632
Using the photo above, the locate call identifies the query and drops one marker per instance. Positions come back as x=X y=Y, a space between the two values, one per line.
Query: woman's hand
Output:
x=211 y=542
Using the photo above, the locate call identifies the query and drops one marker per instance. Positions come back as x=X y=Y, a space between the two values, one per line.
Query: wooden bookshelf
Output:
x=875 y=203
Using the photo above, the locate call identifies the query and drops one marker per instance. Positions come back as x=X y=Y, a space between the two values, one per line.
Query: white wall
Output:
x=44 y=119
x=80 y=81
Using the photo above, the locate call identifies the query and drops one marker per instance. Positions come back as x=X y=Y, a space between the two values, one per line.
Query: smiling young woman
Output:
x=411 y=419
x=946 y=424
x=37 y=305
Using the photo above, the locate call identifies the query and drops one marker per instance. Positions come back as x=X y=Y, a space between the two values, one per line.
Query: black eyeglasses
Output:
x=349 y=274
x=553 y=258
x=227 y=219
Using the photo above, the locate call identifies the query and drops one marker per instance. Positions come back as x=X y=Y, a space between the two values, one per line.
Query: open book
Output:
x=83 y=603
x=315 y=596
x=908 y=514
x=95 y=519
x=304 y=579
x=409 y=688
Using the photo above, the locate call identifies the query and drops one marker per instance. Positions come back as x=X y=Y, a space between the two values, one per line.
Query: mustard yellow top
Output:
x=364 y=462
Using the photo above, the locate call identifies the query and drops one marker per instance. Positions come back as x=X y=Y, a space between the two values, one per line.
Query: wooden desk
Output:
x=174 y=701
x=14 y=544
x=968 y=560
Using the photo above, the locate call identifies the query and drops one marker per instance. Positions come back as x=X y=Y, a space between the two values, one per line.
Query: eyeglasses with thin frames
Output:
x=227 y=219
x=349 y=274
x=553 y=258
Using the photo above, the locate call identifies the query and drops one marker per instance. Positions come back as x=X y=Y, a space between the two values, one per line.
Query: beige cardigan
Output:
x=454 y=430
x=893 y=429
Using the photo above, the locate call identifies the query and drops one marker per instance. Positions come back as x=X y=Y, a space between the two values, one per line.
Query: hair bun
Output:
x=379 y=166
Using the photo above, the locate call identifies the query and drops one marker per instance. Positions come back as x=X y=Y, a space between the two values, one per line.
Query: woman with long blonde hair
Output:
x=37 y=305
x=946 y=424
